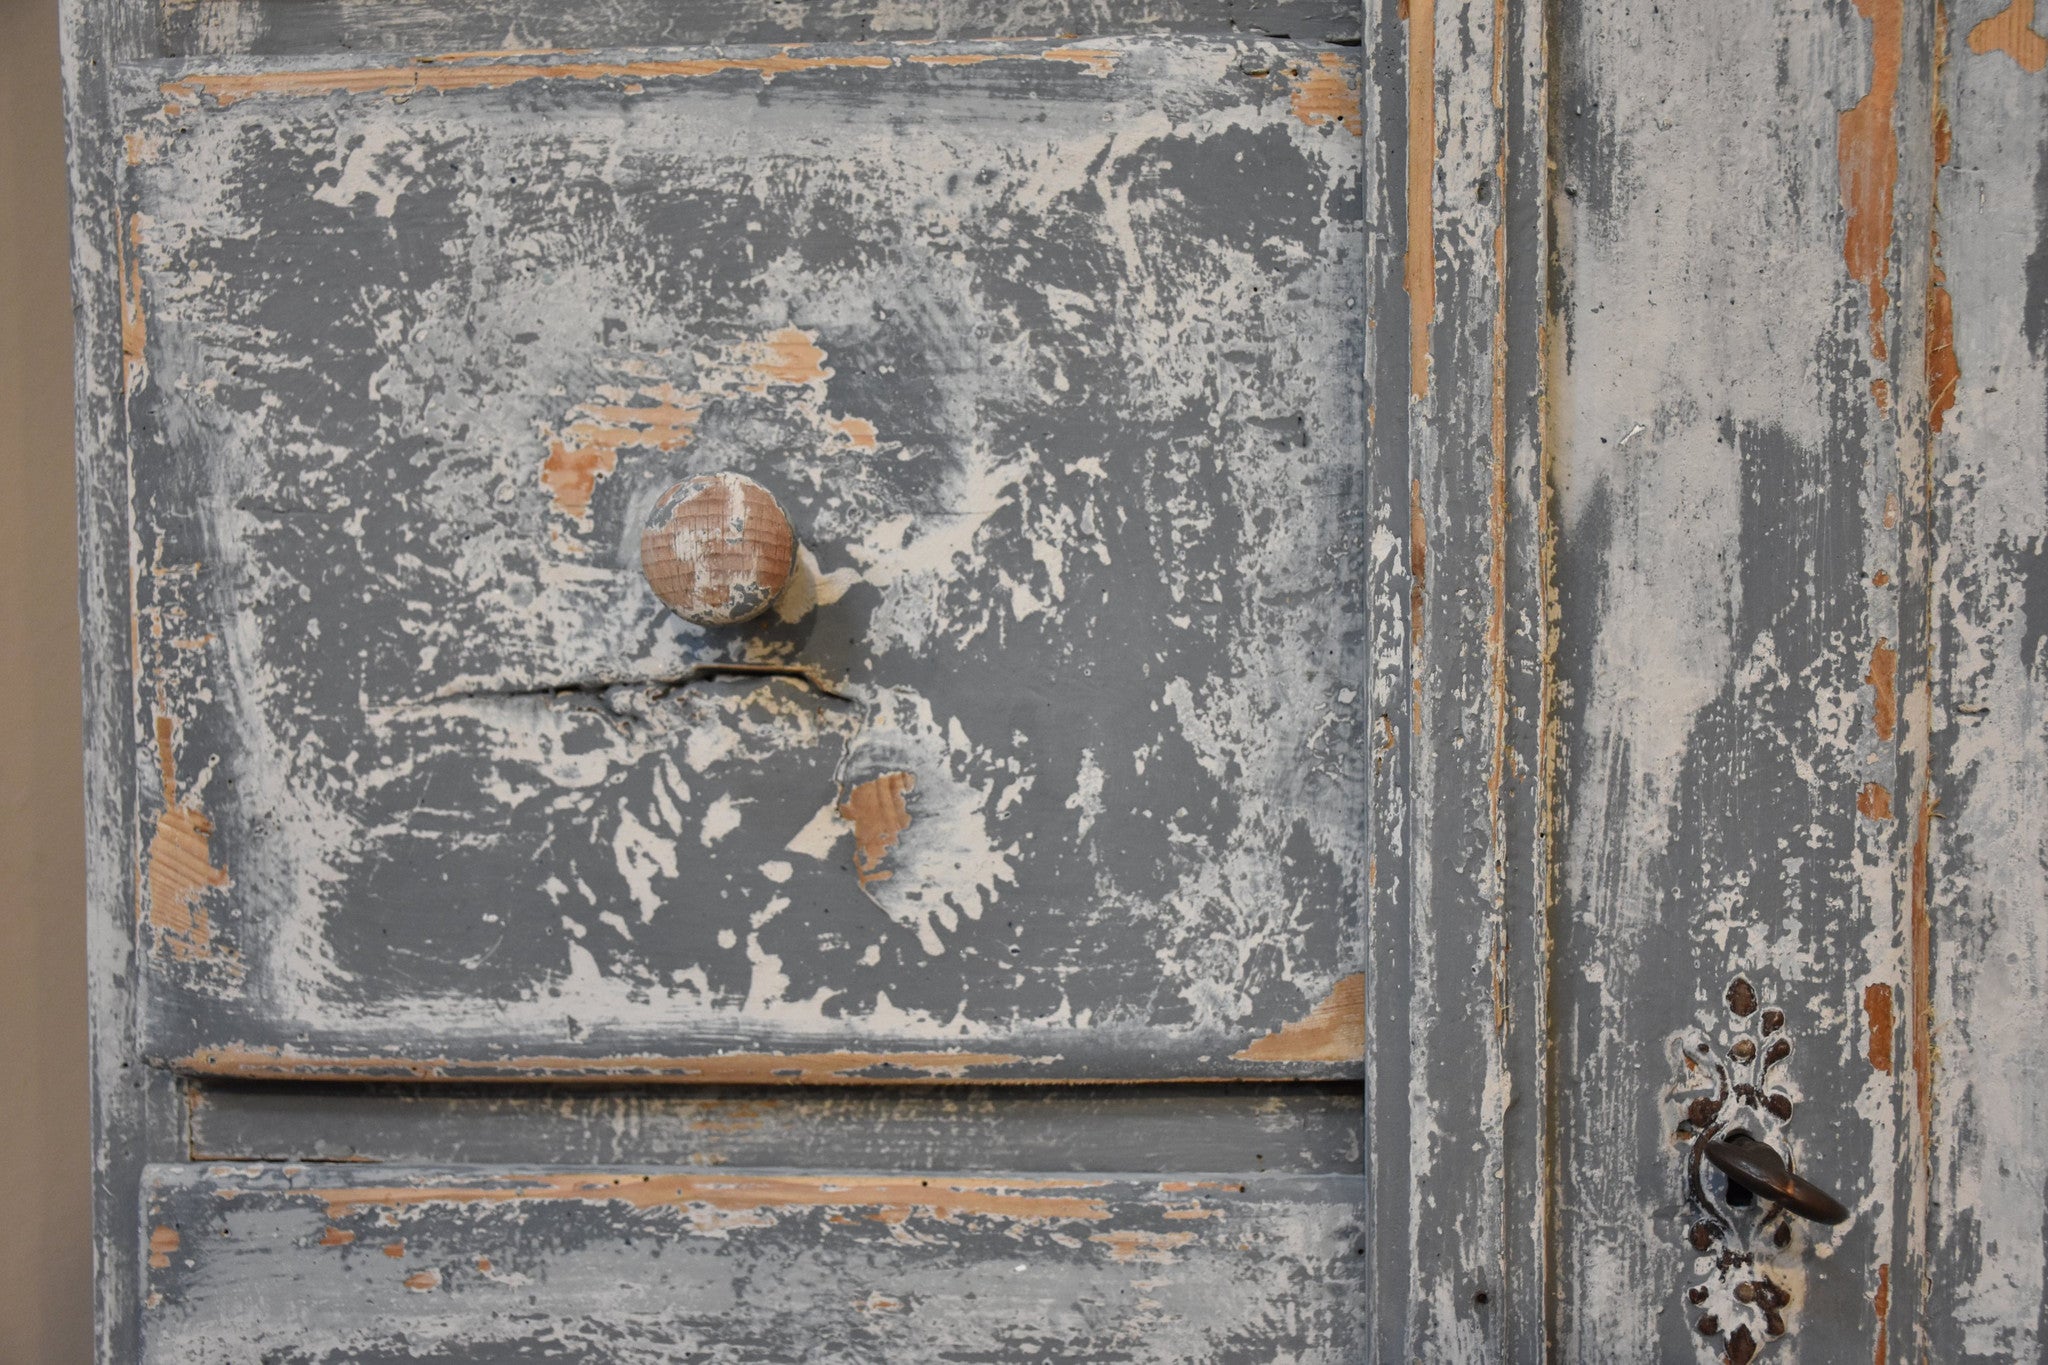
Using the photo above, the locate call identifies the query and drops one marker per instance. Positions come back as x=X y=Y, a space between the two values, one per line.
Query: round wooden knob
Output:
x=718 y=549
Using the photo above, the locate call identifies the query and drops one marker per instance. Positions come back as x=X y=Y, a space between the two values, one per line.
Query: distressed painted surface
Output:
x=1750 y=358
x=1457 y=1001
x=324 y=1263
x=186 y=28
x=1051 y=764
x=1719 y=572
x=1305 y=1128
x=136 y=1109
x=1984 y=955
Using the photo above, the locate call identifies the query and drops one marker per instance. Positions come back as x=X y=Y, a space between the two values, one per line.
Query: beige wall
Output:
x=45 y=1256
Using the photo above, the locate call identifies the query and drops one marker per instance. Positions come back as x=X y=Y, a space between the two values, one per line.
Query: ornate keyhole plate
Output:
x=1734 y=1082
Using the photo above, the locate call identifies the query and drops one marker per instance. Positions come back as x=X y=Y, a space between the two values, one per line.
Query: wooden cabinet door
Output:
x=1047 y=766
x=1479 y=547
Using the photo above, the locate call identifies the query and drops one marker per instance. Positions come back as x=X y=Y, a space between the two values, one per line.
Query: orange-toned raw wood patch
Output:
x=162 y=1242
x=2011 y=31
x=1327 y=93
x=886 y=1198
x=180 y=867
x=656 y=417
x=1867 y=160
x=1877 y=1012
x=571 y=475
x=790 y=356
x=1334 y=1031
x=755 y=1068
x=858 y=430
x=1920 y=954
x=1097 y=61
x=395 y=1250
x=420 y=1281
x=1883 y=678
x=879 y=814
x=134 y=320
x=1944 y=374
x=1135 y=1244
x=1875 y=801
x=336 y=1237
x=1881 y=1305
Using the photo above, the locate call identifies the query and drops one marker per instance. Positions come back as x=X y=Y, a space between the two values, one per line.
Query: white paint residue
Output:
x=720 y=819
x=709 y=745
x=1201 y=729
x=820 y=834
x=775 y=906
x=380 y=162
x=768 y=984
x=777 y=870
x=642 y=855
x=1087 y=797
x=809 y=588
x=915 y=560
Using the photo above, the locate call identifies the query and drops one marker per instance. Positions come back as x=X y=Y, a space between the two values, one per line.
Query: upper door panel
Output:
x=1050 y=762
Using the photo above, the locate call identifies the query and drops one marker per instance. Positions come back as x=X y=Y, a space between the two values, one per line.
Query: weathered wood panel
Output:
x=136 y=1109
x=1053 y=354
x=192 y=28
x=1739 y=402
x=1980 y=936
x=1302 y=1127
x=334 y=1264
x=1457 y=985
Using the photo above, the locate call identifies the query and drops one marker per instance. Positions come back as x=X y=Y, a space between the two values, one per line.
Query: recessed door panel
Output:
x=321 y=1263
x=1050 y=760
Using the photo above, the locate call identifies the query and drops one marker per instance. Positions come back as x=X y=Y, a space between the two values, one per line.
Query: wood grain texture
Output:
x=1458 y=1009
x=1980 y=949
x=328 y=1264
x=717 y=549
x=280 y=28
x=1068 y=406
x=1302 y=1128
x=137 y=1113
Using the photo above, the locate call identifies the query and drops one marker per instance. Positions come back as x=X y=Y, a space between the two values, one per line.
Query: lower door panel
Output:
x=283 y=1264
